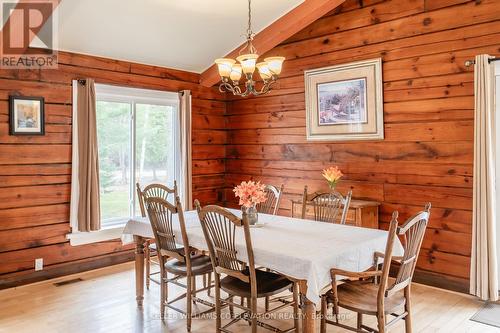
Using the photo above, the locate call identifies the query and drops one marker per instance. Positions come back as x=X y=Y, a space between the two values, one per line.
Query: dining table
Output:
x=303 y=250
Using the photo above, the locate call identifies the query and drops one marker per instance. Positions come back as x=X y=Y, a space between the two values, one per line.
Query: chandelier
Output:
x=231 y=72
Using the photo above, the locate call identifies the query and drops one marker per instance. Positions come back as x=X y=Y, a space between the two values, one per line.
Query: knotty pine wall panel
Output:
x=35 y=172
x=427 y=153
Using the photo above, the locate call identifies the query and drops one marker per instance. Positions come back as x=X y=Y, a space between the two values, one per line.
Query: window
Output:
x=137 y=133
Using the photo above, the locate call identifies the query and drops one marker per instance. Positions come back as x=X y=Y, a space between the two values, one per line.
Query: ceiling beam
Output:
x=280 y=30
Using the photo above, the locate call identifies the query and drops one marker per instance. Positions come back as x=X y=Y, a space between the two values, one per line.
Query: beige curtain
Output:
x=185 y=182
x=85 y=208
x=483 y=275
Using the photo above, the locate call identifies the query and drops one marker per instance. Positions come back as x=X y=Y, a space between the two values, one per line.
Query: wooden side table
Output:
x=361 y=213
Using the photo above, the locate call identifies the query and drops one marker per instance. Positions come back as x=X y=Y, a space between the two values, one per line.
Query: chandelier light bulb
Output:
x=275 y=64
x=235 y=73
x=247 y=62
x=264 y=71
x=224 y=65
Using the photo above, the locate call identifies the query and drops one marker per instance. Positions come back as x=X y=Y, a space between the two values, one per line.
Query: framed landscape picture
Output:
x=344 y=102
x=26 y=115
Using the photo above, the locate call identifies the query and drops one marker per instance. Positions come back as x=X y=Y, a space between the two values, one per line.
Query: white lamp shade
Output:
x=235 y=72
x=247 y=62
x=264 y=71
x=275 y=64
x=224 y=65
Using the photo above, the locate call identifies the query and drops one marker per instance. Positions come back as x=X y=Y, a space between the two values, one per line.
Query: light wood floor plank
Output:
x=104 y=301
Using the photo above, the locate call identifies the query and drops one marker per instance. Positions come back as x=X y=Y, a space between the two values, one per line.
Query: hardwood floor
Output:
x=104 y=301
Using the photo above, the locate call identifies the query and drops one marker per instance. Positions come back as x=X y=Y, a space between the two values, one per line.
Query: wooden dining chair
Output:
x=271 y=206
x=383 y=300
x=150 y=191
x=327 y=206
x=272 y=203
x=177 y=257
x=237 y=276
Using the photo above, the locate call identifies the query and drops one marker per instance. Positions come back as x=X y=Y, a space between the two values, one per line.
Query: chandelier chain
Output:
x=249 y=29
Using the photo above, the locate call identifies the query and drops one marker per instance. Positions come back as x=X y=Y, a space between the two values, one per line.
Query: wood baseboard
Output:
x=437 y=280
x=441 y=281
x=25 y=277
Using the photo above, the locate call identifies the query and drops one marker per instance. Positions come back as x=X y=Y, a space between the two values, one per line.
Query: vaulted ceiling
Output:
x=182 y=34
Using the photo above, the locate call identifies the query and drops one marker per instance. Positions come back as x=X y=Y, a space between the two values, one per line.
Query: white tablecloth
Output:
x=302 y=249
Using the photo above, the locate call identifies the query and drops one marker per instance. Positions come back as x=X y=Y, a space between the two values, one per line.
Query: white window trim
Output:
x=80 y=238
x=131 y=95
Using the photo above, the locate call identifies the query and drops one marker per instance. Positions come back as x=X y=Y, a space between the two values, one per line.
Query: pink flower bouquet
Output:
x=250 y=193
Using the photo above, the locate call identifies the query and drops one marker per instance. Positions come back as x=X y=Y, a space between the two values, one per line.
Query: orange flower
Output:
x=332 y=175
x=250 y=193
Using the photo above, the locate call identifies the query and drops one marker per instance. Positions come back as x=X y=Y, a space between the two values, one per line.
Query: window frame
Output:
x=134 y=96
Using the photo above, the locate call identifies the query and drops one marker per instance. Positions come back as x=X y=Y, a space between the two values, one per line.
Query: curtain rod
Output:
x=472 y=62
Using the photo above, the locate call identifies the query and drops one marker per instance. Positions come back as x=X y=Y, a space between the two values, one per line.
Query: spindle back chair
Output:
x=152 y=191
x=385 y=300
x=273 y=198
x=222 y=229
x=176 y=256
x=327 y=206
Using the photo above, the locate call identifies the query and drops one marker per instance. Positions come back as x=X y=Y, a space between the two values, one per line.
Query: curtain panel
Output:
x=185 y=188
x=483 y=274
x=85 y=206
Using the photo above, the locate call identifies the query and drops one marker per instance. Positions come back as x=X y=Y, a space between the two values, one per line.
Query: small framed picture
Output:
x=26 y=115
x=344 y=102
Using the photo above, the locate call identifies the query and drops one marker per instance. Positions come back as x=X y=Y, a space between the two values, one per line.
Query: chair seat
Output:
x=361 y=296
x=268 y=284
x=200 y=265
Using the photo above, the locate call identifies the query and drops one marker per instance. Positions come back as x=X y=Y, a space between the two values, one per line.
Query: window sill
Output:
x=81 y=238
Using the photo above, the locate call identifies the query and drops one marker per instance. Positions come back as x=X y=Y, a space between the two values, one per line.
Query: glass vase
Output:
x=252 y=214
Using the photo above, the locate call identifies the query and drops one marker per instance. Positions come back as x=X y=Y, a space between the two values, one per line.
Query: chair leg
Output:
x=209 y=282
x=323 y=314
x=189 y=292
x=359 y=321
x=217 y=305
x=164 y=293
x=296 y=307
x=193 y=284
x=231 y=308
x=253 y=304
x=147 y=255
x=381 y=323
x=248 y=306
x=408 y=328
x=266 y=304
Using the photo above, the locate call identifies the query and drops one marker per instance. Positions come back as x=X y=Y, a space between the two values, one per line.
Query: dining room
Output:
x=249 y=166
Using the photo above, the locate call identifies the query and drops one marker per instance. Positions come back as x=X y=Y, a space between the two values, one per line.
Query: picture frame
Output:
x=345 y=102
x=26 y=115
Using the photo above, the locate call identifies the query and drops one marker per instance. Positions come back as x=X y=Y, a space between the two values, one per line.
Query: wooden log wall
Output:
x=35 y=171
x=427 y=153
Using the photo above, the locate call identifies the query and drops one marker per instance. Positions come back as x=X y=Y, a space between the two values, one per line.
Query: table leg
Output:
x=139 y=269
x=308 y=310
